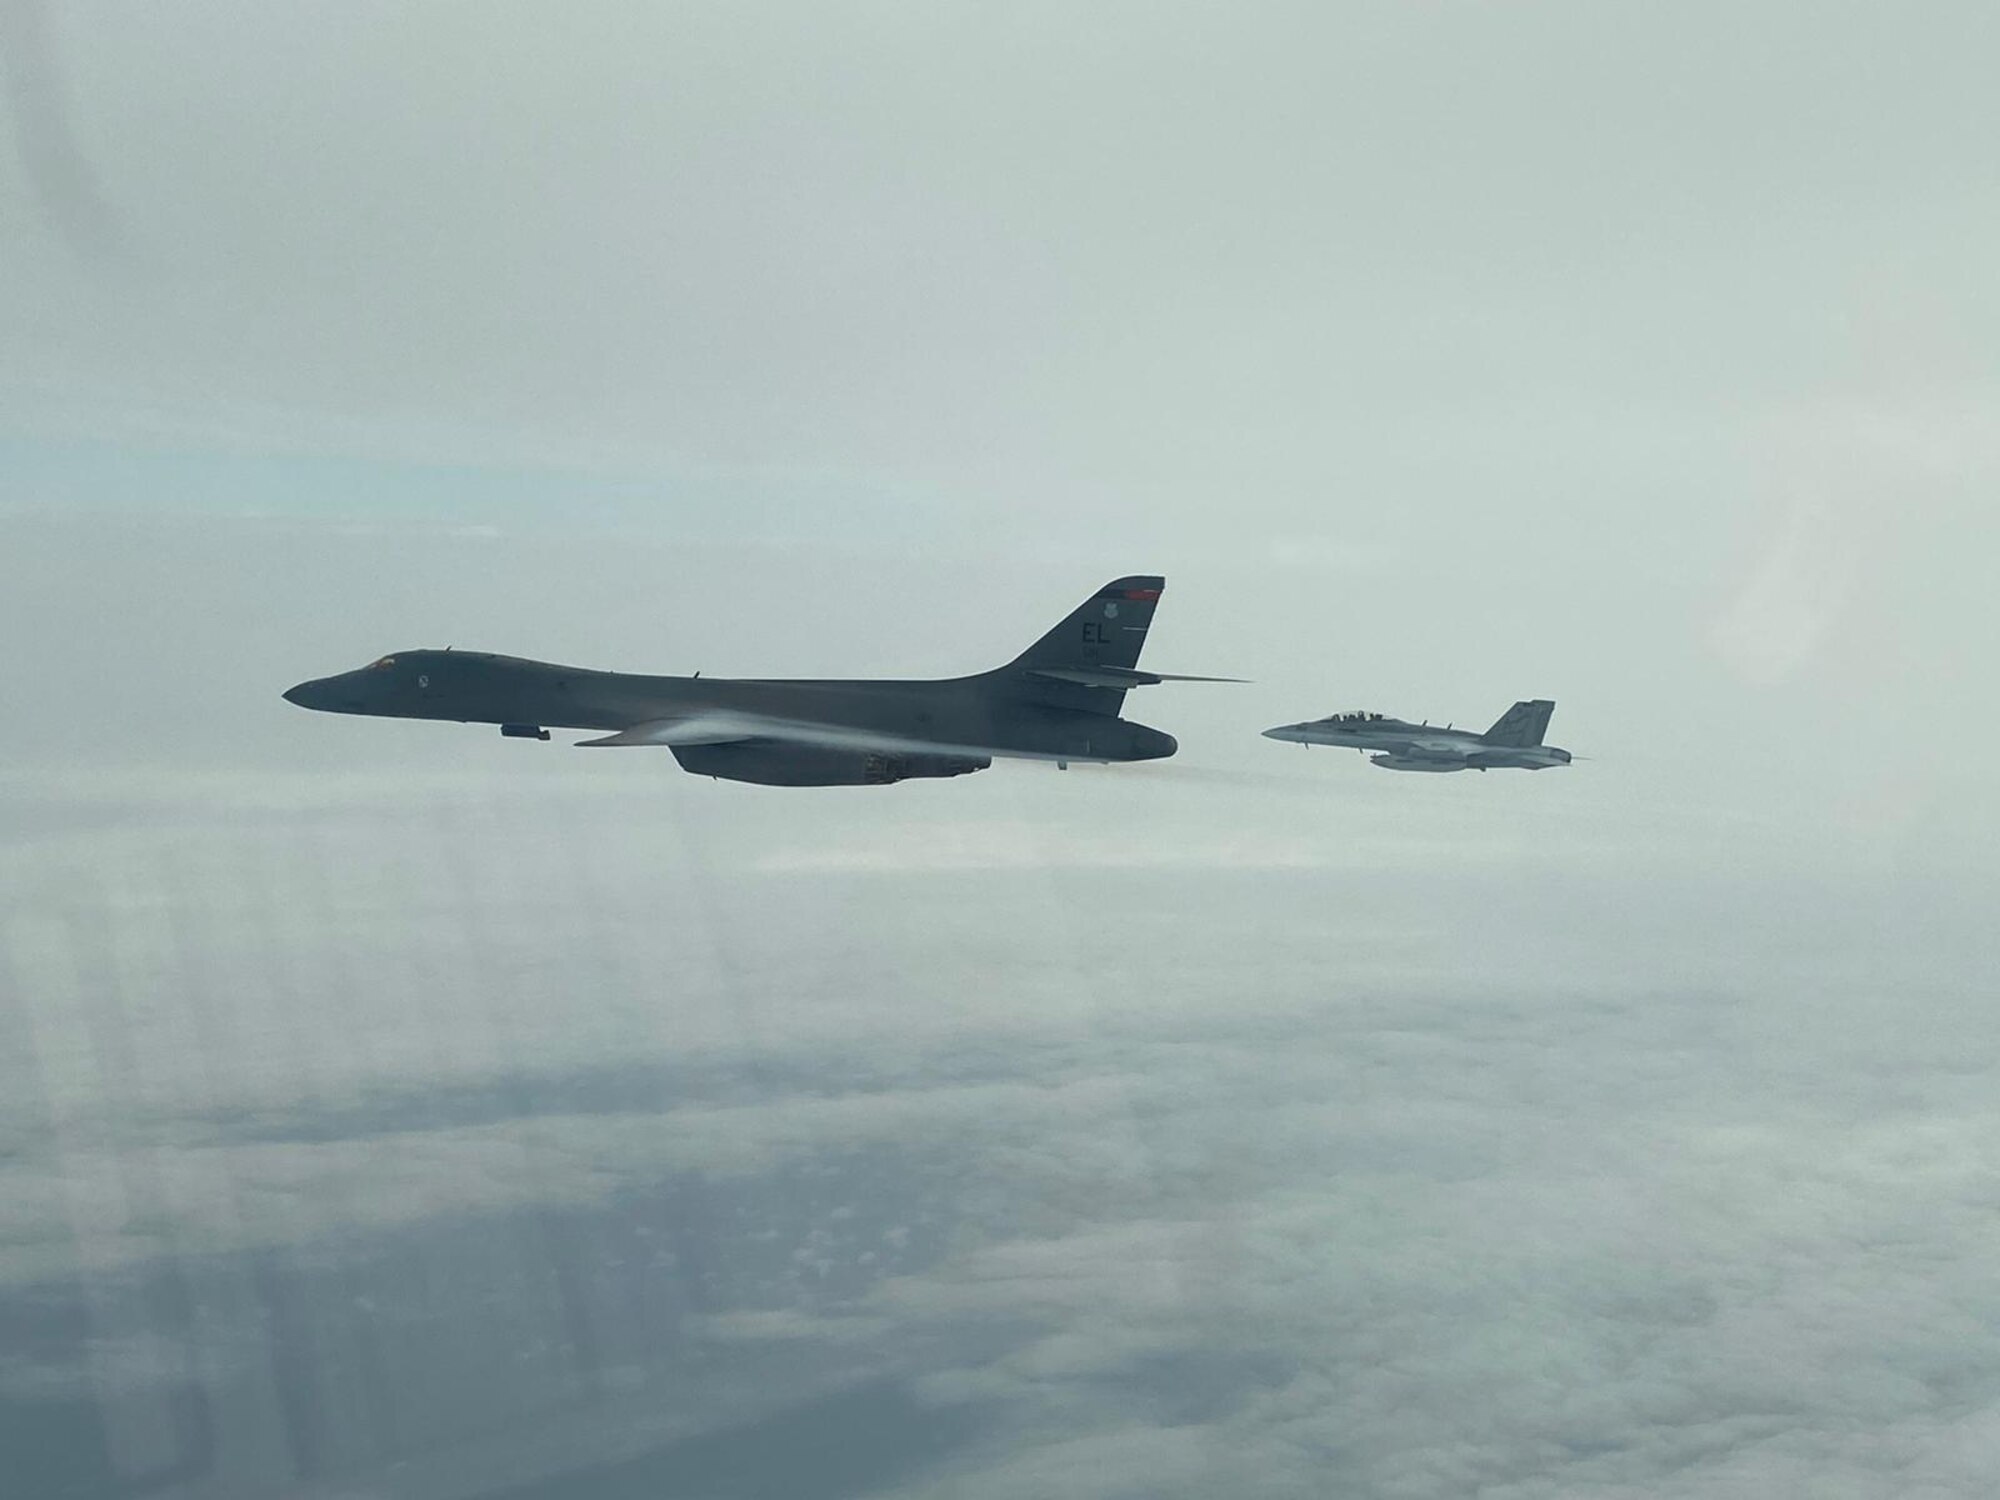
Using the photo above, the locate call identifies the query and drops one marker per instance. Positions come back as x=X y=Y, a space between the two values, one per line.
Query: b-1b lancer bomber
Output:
x=1057 y=701
x=1515 y=741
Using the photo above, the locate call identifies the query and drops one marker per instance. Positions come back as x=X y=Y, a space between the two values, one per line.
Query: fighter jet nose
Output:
x=296 y=695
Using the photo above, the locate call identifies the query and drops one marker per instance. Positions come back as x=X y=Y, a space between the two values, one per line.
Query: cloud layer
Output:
x=1125 y=1207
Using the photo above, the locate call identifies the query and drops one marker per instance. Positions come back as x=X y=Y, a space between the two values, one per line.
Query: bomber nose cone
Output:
x=341 y=694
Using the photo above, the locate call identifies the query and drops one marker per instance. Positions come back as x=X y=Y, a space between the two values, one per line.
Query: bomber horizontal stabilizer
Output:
x=1118 y=677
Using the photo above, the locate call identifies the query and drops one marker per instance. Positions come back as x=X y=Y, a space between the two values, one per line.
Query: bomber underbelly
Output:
x=767 y=763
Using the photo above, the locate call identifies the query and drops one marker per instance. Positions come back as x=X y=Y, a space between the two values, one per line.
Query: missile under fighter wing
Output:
x=1515 y=740
x=1059 y=700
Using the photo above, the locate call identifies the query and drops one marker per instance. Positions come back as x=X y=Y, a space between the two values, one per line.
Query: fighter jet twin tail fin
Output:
x=1522 y=725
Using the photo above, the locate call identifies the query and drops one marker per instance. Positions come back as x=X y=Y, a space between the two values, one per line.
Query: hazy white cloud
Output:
x=1793 y=595
x=945 y=847
x=1248 y=1209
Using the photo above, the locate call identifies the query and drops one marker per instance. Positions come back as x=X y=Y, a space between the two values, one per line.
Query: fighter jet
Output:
x=1515 y=741
x=1057 y=701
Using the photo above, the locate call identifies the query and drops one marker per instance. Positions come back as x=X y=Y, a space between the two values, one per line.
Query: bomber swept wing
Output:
x=688 y=729
x=700 y=730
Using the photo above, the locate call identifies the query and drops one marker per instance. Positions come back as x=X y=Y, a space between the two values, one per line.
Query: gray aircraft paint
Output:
x=1059 y=700
x=1514 y=741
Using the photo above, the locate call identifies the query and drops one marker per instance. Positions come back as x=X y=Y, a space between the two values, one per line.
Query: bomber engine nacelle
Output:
x=1414 y=763
x=773 y=764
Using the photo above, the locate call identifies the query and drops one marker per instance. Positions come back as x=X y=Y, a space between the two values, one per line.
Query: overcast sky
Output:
x=388 y=1110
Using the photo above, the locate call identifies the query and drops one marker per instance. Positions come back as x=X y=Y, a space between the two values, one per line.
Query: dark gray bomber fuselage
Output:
x=1057 y=701
x=977 y=712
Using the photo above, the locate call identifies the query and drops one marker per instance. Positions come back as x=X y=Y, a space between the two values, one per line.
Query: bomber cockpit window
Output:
x=383 y=665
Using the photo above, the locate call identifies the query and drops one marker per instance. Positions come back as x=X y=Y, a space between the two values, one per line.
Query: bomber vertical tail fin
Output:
x=1088 y=660
x=1106 y=630
x=1522 y=725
